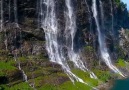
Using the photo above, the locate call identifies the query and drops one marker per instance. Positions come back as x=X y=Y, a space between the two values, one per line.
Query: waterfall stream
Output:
x=1 y=16
x=16 y=28
x=112 y=16
x=9 y=11
x=61 y=25
x=50 y=25
x=103 y=49
x=71 y=25
x=54 y=49
x=102 y=14
x=15 y=14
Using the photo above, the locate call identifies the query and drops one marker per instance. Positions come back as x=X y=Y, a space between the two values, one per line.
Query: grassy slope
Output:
x=49 y=78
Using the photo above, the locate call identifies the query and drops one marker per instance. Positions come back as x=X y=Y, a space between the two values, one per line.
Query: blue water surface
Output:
x=121 y=85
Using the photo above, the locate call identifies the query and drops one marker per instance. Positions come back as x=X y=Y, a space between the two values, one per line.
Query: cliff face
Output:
x=28 y=40
x=114 y=14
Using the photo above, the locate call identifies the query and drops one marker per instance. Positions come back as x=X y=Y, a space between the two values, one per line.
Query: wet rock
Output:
x=3 y=80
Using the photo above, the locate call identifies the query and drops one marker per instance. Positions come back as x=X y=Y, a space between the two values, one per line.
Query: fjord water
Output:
x=121 y=84
x=102 y=46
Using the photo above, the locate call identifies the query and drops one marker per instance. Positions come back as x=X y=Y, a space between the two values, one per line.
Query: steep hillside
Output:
x=24 y=60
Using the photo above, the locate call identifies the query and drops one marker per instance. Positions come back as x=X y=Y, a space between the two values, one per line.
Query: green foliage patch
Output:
x=6 y=67
x=121 y=63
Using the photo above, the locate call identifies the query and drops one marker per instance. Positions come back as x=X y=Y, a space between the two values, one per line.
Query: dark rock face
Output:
x=3 y=80
x=14 y=76
x=25 y=8
x=86 y=28
x=29 y=38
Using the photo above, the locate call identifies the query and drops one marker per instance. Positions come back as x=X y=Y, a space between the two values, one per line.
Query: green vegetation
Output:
x=127 y=32
x=4 y=87
x=22 y=58
x=88 y=48
x=117 y=1
x=21 y=86
x=66 y=86
x=76 y=86
x=47 y=77
x=86 y=77
x=104 y=76
x=6 y=67
x=121 y=63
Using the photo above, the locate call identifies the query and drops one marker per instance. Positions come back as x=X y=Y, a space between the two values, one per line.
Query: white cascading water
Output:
x=23 y=73
x=71 y=25
x=2 y=22
x=17 y=27
x=112 y=16
x=1 y=15
x=15 y=14
x=102 y=14
x=90 y=18
x=50 y=26
x=9 y=11
x=103 y=49
x=91 y=25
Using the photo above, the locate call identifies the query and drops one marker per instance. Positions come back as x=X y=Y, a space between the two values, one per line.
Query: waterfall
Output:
x=51 y=28
x=71 y=25
x=112 y=16
x=90 y=18
x=17 y=27
x=15 y=14
x=2 y=23
x=102 y=14
x=103 y=49
x=9 y=11
x=19 y=66
x=23 y=73
x=1 y=16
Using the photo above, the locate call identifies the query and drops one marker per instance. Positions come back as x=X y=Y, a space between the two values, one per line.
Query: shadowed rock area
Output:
x=26 y=45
